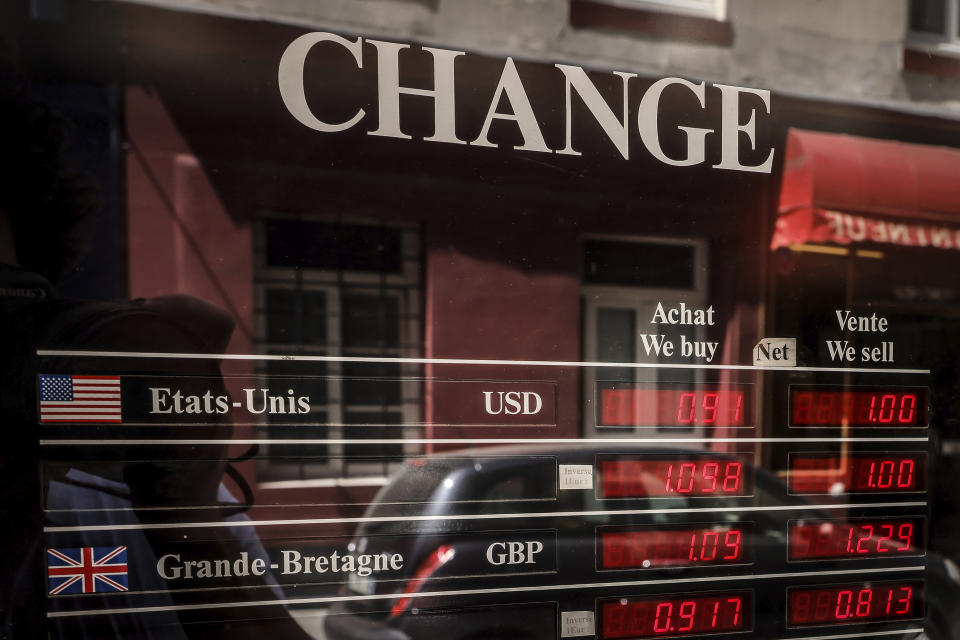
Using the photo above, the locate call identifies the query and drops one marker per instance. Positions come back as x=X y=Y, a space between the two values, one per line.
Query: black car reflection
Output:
x=487 y=534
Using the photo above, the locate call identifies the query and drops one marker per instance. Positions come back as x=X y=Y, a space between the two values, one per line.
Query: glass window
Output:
x=529 y=320
x=296 y=316
x=714 y=9
x=929 y=16
x=935 y=23
x=626 y=284
x=318 y=245
x=341 y=289
x=638 y=264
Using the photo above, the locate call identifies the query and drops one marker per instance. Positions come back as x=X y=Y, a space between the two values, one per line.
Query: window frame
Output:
x=947 y=42
x=709 y=9
x=597 y=296
x=406 y=286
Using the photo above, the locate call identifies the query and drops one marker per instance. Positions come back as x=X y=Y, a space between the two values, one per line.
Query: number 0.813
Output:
x=842 y=605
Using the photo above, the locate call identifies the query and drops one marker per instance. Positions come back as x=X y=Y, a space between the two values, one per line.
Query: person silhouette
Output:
x=46 y=212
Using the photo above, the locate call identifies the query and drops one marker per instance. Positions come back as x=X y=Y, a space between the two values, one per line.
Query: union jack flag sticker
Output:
x=87 y=570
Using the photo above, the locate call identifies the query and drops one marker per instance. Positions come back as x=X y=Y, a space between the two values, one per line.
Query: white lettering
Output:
x=511 y=86
x=290 y=79
x=730 y=129
x=576 y=78
x=389 y=90
x=159 y=396
x=162 y=569
x=291 y=562
x=648 y=123
x=613 y=121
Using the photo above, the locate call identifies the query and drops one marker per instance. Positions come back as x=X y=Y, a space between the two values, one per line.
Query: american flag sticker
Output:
x=80 y=398
x=87 y=570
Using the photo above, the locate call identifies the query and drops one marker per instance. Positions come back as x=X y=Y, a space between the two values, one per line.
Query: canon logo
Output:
x=510 y=95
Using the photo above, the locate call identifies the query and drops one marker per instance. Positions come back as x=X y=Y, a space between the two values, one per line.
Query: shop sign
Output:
x=509 y=101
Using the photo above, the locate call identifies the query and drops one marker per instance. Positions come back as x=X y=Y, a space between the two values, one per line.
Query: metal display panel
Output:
x=410 y=319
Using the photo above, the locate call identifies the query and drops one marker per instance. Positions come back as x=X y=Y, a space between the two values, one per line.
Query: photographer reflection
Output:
x=93 y=500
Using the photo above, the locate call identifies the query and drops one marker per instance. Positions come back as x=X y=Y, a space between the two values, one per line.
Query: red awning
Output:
x=842 y=189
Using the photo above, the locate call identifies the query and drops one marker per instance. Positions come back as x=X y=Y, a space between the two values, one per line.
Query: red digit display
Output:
x=859 y=538
x=814 y=406
x=661 y=476
x=679 y=546
x=675 y=406
x=676 y=615
x=857 y=473
x=877 y=602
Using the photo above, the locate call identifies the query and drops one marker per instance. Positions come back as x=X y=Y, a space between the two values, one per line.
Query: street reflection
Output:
x=424 y=320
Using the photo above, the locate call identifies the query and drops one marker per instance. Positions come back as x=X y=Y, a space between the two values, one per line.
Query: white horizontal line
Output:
x=82 y=409
x=526 y=363
x=470 y=516
x=86 y=388
x=377 y=481
x=858 y=635
x=397 y=426
x=66 y=417
x=71 y=403
x=96 y=395
x=98 y=441
x=468 y=592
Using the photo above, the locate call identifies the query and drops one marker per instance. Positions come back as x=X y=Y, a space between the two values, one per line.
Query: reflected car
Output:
x=457 y=518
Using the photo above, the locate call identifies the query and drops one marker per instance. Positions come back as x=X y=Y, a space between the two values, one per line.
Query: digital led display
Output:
x=860 y=538
x=676 y=615
x=877 y=602
x=675 y=406
x=677 y=546
x=813 y=406
x=857 y=473
x=660 y=476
